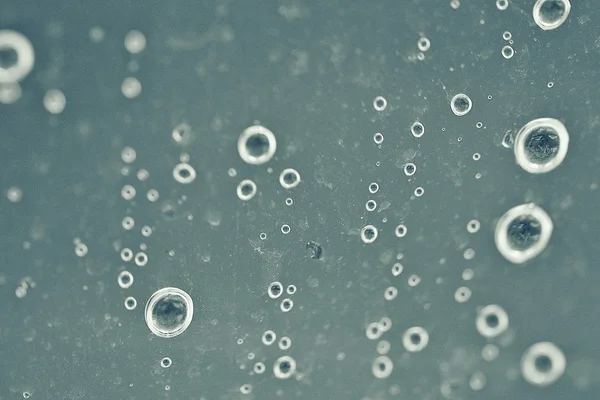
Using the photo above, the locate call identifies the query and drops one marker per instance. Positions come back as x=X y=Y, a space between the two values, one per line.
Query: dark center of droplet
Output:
x=543 y=363
x=285 y=367
x=461 y=104
x=257 y=145
x=552 y=10
x=492 y=320
x=246 y=189
x=184 y=173
x=8 y=57
x=524 y=232
x=369 y=233
x=169 y=313
x=541 y=145
x=275 y=289
x=289 y=178
x=415 y=338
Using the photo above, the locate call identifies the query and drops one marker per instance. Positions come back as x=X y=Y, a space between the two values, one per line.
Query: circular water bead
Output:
x=284 y=367
x=128 y=154
x=135 y=41
x=385 y=324
x=184 y=173
x=14 y=194
x=541 y=145
x=410 y=169
x=415 y=339
x=419 y=191
x=289 y=178
x=169 y=312
x=462 y=294
x=383 y=347
x=508 y=52
x=417 y=129
x=152 y=195
x=286 y=305
x=246 y=388
x=291 y=289
x=380 y=103
x=378 y=138
x=126 y=254
x=468 y=274
x=141 y=259
x=275 y=290
x=166 y=362
x=469 y=254
x=390 y=293
x=146 y=231
x=285 y=229
x=461 y=104
x=423 y=44
x=259 y=367
x=268 y=337
x=397 y=269
x=368 y=234
x=371 y=205
x=476 y=157
x=128 y=223
x=414 y=280
x=382 y=367
x=543 y=364
x=128 y=192
x=81 y=249
x=473 y=226
x=374 y=331
x=490 y=352
x=502 y=4
x=125 y=279
x=54 y=101
x=373 y=187
x=131 y=87
x=285 y=343
x=246 y=189
x=130 y=303
x=256 y=145
x=523 y=232
x=491 y=321
x=10 y=92
x=401 y=230
x=507 y=35
x=20 y=64
x=182 y=133
x=550 y=14
x=455 y=4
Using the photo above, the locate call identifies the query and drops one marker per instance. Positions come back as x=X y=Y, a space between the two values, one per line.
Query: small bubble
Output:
x=491 y=321
x=417 y=129
x=289 y=178
x=146 y=231
x=455 y=4
x=246 y=388
x=468 y=274
x=476 y=156
x=182 y=133
x=128 y=155
x=382 y=367
x=166 y=362
x=184 y=173
x=284 y=367
x=143 y=175
x=373 y=188
x=414 y=280
x=289 y=201
x=141 y=259
x=26 y=395
x=246 y=189
x=462 y=294
x=543 y=364
x=81 y=250
x=502 y=4
x=268 y=337
x=410 y=169
x=291 y=289
x=14 y=194
x=286 y=305
x=131 y=87
x=371 y=205
x=285 y=229
x=126 y=255
x=419 y=191
x=380 y=103
x=507 y=35
x=489 y=352
x=508 y=52
x=469 y=254
x=10 y=92
x=135 y=41
x=256 y=145
x=423 y=44
x=368 y=234
x=550 y=14
x=275 y=290
x=128 y=192
x=541 y=145
x=232 y=172
x=130 y=303
x=259 y=367
x=378 y=138
x=285 y=343
x=397 y=269
x=390 y=293
x=415 y=339
x=54 y=101
x=383 y=347
x=401 y=230
x=461 y=104
x=125 y=279
x=374 y=331
x=169 y=312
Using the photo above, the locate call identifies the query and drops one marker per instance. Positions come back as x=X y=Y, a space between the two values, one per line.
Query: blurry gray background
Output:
x=309 y=71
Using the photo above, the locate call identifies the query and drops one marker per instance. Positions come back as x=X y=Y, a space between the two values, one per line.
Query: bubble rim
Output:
x=159 y=295
x=243 y=139
x=501 y=234
x=539 y=378
x=524 y=133
x=537 y=7
x=19 y=43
